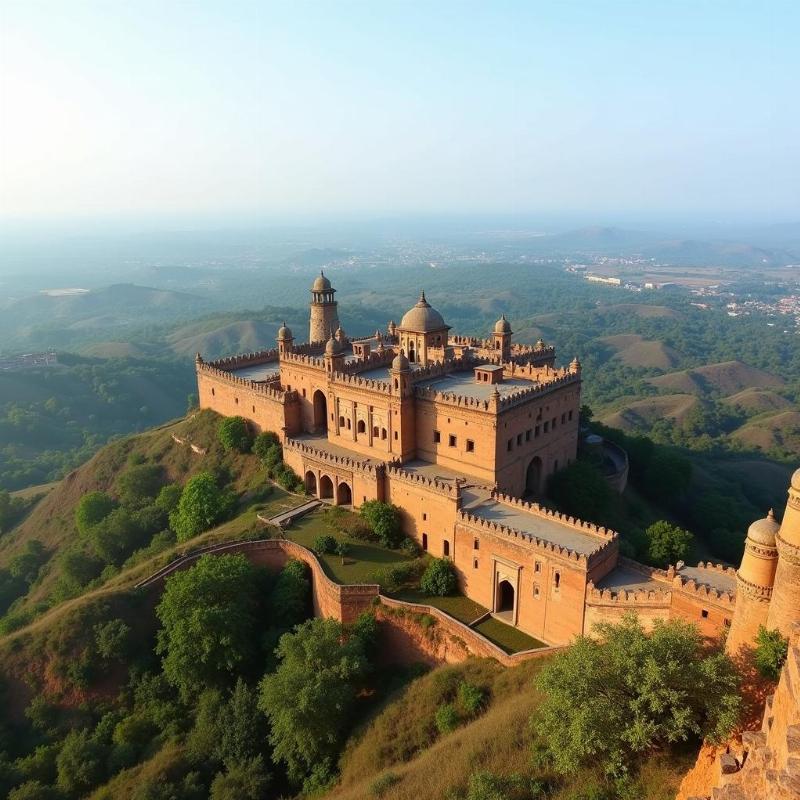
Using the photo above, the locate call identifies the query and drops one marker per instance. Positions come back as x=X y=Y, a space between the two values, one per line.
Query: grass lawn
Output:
x=458 y=606
x=361 y=563
x=509 y=638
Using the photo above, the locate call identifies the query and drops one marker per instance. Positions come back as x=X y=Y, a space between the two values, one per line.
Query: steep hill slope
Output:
x=758 y=401
x=636 y=351
x=722 y=379
x=641 y=414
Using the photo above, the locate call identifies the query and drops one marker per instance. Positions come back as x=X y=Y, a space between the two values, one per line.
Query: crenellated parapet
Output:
x=244 y=360
x=305 y=359
x=357 y=382
x=374 y=360
x=270 y=388
x=396 y=472
x=523 y=395
x=526 y=507
x=657 y=596
x=703 y=591
x=526 y=539
x=342 y=462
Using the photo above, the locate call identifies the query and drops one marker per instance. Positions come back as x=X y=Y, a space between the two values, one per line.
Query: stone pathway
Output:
x=287 y=517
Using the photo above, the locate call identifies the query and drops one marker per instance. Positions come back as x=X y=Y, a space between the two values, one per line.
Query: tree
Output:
x=289 y=599
x=608 y=700
x=112 y=639
x=581 y=491
x=439 y=578
x=202 y=504
x=667 y=543
x=667 y=476
x=770 y=653
x=325 y=544
x=117 y=536
x=385 y=520
x=79 y=764
x=234 y=434
x=91 y=509
x=309 y=699
x=264 y=442
x=168 y=497
x=245 y=780
x=208 y=616
x=26 y=564
x=139 y=484
x=242 y=729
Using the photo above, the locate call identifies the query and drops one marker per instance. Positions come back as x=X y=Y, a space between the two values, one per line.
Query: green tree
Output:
x=325 y=543
x=112 y=639
x=140 y=484
x=667 y=476
x=667 y=543
x=309 y=699
x=581 y=491
x=234 y=434
x=770 y=653
x=34 y=790
x=242 y=728
x=439 y=578
x=26 y=564
x=264 y=442
x=385 y=521
x=116 y=536
x=608 y=700
x=91 y=509
x=168 y=497
x=245 y=780
x=79 y=764
x=202 y=504
x=289 y=599
x=208 y=616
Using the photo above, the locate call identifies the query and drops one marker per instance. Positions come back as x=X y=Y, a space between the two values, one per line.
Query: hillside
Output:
x=636 y=351
x=758 y=401
x=642 y=414
x=778 y=432
x=722 y=379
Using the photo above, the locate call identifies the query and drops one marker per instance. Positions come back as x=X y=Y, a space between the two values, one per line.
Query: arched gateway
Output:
x=320 y=411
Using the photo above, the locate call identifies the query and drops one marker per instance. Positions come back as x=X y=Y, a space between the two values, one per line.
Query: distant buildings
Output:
x=29 y=360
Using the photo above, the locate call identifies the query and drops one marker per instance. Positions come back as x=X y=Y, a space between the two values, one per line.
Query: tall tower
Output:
x=285 y=340
x=501 y=338
x=754 y=582
x=324 y=314
x=784 y=609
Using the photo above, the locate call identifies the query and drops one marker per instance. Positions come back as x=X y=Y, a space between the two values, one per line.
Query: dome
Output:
x=422 y=318
x=400 y=362
x=540 y=344
x=332 y=348
x=796 y=480
x=284 y=333
x=763 y=531
x=321 y=284
x=502 y=325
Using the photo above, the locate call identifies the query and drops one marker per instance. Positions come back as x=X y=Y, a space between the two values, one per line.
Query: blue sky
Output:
x=273 y=109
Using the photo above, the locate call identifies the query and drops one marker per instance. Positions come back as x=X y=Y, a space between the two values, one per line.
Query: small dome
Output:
x=400 y=362
x=540 y=344
x=284 y=333
x=796 y=480
x=422 y=318
x=321 y=284
x=763 y=531
x=502 y=325
x=332 y=348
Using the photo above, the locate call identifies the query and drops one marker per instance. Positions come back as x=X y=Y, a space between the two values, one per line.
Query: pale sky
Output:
x=124 y=108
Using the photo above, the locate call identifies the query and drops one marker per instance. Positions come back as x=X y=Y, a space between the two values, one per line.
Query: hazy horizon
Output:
x=157 y=115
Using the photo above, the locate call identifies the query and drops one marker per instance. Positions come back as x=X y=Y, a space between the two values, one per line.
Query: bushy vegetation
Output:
x=234 y=434
x=667 y=543
x=385 y=521
x=202 y=504
x=610 y=700
x=439 y=578
x=770 y=652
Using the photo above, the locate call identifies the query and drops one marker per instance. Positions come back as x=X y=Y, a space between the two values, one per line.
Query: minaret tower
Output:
x=754 y=581
x=324 y=313
x=285 y=340
x=501 y=338
x=784 y=609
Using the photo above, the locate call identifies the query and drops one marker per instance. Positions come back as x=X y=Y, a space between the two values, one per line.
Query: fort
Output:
x=461 y=434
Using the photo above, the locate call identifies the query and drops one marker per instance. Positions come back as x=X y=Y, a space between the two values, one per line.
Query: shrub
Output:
x=168 y=497
x=446 y=718
x=234 y=434
x=385 y=521
x=470 y=698
x=439 y=578
x=140 y=483
x=91 y=509
x=381 y=784
x=408 y=545
x=202 y=504
x=770 y=653
x=272 y=457
x=264 y=442
x=325 y=544
x=667 y=543
x=395 y=576
x=486 y=786
x=112 y=639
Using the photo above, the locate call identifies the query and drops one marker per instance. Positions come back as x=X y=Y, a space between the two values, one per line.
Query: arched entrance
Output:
x=325 y=488
x=533 y=477
x=311 y=483
x=505 y=599
x=344 y=497
x=320 y=411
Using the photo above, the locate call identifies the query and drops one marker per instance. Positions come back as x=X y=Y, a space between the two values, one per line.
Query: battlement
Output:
x=243 y=360
x=656 y=596
x=701 y=590
x=396 y=472
x=356 y=381
x=523 y=395
x=270 y=388
x=306 y=359
x=343 y=462
x=534 y=508
x=374 y=360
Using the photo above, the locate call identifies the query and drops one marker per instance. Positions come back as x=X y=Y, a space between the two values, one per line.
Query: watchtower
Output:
x=324 y=312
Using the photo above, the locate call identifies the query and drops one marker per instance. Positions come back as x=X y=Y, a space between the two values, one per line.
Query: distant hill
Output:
x=233 y=337
x=778 y=432
x=758 y=401
x=642 y=414
x=636 y=351
x=723 y=379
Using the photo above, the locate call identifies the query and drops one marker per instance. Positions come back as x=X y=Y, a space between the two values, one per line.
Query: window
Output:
x=557 y=581
x=446 y=548
x=519 y=439
x=536 y=432
x=510 y=445
x=537 y=566
x=341 y=422
x=474 y=563
x=437 y=437
x=546 y=427
x=704 y=613
x=304 y=392
x=424 y=516
x=476 y=544
x=383 y=433
x=470 y=446
x=726 y=622
x=361 y=426
x=395 y=383
x=554 y=423
x=396 y=437
x=569 y=416
x=451 y=440
x=236 y=400
x=376 y=431
x=536 y=590
x=563 y=417
x=254 y=409
x=528 y=435
x=555 y=465
x=424 y=541
x=212 y=391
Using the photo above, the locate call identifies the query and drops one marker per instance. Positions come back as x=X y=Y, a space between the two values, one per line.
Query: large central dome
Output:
x=422 y=318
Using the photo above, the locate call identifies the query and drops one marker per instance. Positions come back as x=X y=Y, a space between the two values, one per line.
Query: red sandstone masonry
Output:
x=342 y=462
x=396 y=472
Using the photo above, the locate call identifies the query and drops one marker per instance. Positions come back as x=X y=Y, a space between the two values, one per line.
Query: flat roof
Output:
x=709 y=577
x=628 y=579
x=464 y=383
x=490 y=367
x=256 y=372
x=322 y=443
